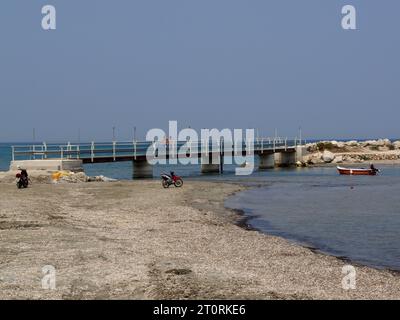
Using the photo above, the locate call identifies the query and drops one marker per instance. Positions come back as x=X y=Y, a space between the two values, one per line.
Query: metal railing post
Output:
x=92 y=151
x=172 y=150
x=68 y=150
x=190 y=146
x=13 y=153
x=45 y=149
x=262 y=145
x=114 y=144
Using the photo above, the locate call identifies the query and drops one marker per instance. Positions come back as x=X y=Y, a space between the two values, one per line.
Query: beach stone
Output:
x=311 y=147
x=352 y=143
x=338 y=159
x=396 y=144
x=327 y=156
x=347 y=158
x=316 y=158
x=301 y=163
x=381 y=142
x=368 y=143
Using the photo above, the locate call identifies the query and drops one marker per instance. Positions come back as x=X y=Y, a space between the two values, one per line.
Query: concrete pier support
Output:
x=285 y=159
x=208 y=167
x=48 y=164
x=142 y=169
x=267 y=161
x=301 y=153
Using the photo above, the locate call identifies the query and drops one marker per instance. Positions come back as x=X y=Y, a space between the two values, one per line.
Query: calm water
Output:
x=354 y=217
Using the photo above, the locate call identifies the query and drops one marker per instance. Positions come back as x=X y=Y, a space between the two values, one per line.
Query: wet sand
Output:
x=135 y=240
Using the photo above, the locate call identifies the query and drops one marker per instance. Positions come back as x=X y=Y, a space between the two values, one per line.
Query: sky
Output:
x=279 y=64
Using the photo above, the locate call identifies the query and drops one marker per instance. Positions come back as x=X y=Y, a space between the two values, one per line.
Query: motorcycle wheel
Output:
x=165 y=184
x=178 y=183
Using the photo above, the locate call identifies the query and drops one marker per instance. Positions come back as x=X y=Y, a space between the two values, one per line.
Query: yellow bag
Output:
x=59 y=174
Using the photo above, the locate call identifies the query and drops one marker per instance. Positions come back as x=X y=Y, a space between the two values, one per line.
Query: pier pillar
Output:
x=267 y=161
x=285 y=159
x=208 y=167
x=142 y=169
x=301 y=153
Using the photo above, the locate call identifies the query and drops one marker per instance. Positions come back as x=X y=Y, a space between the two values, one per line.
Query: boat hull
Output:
x=356 y=172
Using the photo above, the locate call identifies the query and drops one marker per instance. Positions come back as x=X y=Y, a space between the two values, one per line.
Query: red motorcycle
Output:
x=169 y=179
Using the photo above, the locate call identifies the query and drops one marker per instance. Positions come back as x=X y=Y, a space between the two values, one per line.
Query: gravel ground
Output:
x=135 y=240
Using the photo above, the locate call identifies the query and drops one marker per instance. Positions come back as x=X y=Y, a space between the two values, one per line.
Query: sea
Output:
x=351 y=217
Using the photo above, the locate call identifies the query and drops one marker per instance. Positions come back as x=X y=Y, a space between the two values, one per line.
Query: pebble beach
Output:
x=135 y=240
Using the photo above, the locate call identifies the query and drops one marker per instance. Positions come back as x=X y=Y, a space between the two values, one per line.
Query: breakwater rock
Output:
x=352 y=151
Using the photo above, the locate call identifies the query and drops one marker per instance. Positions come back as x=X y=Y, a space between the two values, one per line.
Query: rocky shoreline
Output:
x=349 y=152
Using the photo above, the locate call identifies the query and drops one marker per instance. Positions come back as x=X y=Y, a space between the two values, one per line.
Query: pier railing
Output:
x=135 y=149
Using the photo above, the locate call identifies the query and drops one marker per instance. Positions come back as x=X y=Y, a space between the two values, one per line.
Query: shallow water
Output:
x=353 y=217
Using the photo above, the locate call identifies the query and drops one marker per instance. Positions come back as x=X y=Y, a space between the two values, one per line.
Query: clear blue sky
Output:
x=206 y=63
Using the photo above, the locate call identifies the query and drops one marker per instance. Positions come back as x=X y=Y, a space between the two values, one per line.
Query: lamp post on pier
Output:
x=300 y=138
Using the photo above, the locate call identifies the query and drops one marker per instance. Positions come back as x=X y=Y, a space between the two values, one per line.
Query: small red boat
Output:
x=358 y=171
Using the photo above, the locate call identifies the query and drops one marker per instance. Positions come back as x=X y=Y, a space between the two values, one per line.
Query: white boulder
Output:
x=338 y=159
x=327 y=156
x=352 y=143
x=396 y=144
x=369 y=143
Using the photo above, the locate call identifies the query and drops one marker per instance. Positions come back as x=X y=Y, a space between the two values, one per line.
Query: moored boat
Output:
x=357 y=171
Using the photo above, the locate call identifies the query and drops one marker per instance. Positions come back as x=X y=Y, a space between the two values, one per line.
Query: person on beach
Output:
x=24 y=172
